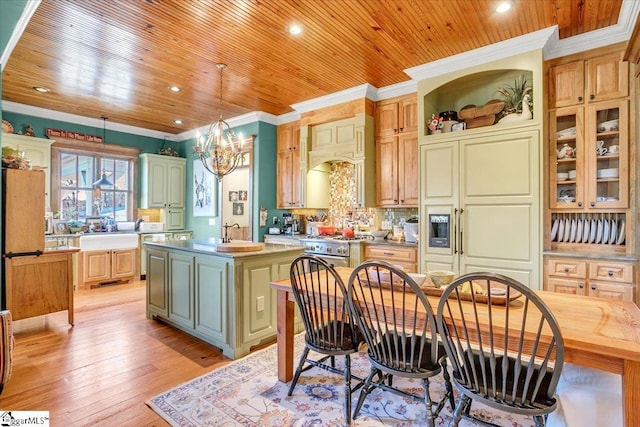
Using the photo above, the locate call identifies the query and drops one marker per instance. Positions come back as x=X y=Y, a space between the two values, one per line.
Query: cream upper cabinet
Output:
x=38 y=151
x=592 y=80
x=163 y=181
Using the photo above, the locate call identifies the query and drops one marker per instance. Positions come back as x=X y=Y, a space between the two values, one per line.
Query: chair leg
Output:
x=428 y=402
x=539 y=420
x=347 y=389
x=447 y=384
x=366 y=389
x=457 y=413
x=305 y=352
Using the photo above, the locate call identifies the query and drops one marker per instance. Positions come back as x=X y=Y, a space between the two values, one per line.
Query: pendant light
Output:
x=219 y=149
x=103 y=181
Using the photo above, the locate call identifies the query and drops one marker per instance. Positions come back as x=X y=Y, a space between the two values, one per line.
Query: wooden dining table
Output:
x=598 y=333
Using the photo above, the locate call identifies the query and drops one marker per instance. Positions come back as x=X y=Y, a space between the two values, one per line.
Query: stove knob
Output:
x=329 y=250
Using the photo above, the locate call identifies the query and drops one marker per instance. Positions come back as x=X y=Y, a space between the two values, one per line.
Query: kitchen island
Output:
x=223 y=298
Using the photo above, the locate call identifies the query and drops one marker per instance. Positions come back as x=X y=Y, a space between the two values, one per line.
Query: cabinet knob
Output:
x=593 y=287
x=566 y=269
x=579 y=204
x=592 y=204
x=592 y=97
x=581 y=285
x=579 y=99
x=610 y=273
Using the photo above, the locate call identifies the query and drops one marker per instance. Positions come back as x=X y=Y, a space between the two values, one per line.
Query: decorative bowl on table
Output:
x=441 y=278
x=418 y=278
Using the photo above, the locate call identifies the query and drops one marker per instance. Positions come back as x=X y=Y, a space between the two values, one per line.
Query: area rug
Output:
x=247 y=392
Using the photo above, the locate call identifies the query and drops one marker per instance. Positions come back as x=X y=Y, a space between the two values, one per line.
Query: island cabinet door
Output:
x=258 y=299
x=181 y=290
x=156 y=280
x=211 y=288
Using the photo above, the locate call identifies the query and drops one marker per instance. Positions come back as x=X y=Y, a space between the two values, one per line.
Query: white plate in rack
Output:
x=621 y=235
x=594 y=228
x=554 y=230
x=579 y=231
x=599 y=232
x=567 y=229
x=606 y=233
x=585 y=231
x=614 y=232
x=574 y=228
x=560 y=230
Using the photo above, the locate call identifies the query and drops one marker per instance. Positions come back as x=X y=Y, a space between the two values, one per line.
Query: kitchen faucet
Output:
x=225 y=236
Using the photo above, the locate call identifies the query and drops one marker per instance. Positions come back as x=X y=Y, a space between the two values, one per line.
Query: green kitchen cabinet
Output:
x=181 y=289
x=212 y=314
x=157 y=283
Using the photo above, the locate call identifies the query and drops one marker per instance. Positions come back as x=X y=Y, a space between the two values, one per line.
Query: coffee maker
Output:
x=290 y=224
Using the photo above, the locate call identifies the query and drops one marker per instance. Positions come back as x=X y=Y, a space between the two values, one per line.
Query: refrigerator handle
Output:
x=454 y=233
x=19 y=254
x=460 y=227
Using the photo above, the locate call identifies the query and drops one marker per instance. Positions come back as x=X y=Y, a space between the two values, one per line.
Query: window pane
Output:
x=121 y=206
x=121 y=179
x=87 y=171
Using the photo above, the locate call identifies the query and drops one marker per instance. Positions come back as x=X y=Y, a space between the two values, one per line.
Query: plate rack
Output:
x=605 y=230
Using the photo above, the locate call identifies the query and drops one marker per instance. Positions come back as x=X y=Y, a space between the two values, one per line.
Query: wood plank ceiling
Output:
x=118 y=57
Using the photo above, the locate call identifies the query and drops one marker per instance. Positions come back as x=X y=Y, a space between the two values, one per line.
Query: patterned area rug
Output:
x=247 y=392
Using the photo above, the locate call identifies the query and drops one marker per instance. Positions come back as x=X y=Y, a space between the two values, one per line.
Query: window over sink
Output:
x=74 y=170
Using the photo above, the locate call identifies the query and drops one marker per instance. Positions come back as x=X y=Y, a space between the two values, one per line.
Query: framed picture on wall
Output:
x=238 y=208
x=233 y=196
x=242 y=195
x=204 y=191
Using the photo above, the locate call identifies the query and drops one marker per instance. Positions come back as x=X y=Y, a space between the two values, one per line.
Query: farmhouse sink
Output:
x=96 y=242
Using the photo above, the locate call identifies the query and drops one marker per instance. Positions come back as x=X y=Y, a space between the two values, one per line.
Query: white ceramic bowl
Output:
x=572 y=174
x=562 y=176
x=418 y=278
x=441 y=277
x=608 y=173
x=379 y=234
x=566 y=199
x=609 y=125
x=565 y=133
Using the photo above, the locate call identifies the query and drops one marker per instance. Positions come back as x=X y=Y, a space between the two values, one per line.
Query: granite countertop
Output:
x=208 y=246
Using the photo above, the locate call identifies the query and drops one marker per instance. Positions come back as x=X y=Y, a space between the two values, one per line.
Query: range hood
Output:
x=347 y=140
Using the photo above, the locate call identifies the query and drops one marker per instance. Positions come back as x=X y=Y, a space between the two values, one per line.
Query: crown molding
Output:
x=253 y=117
x=501 y=50
x=30 y=110
x=398 y=89
x=358 y=92
x=24 y=19
x=288 y=117
x=617 y=33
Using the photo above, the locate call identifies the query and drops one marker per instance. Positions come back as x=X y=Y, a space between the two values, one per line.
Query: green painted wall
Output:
x=264 y=181
x=10 y=11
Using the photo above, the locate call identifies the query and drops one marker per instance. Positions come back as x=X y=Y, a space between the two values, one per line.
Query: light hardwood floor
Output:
x=103 y=369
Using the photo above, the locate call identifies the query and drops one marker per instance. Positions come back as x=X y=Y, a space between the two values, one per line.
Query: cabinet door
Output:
x=156 y=280
x=211 y=285
x=123 y=263
x=567 y=158
x=566 y=286
x=566 y=84
x=607 y=78
x=611 y=271
x=607 y=173
x=611 y=290
x=181 y=289
x=387 y=171
x=387 y=119
x=175 y=183
x=288 y=167
x=408 y=114
x=408 y=177
x=173 y=218
x=156 y=184
x=96 y=266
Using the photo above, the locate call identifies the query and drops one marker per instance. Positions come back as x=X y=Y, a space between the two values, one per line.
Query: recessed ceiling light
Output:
x=177 y=121
x=294 y=29
x=174 y=89
x=41 y=89
x=503 y=6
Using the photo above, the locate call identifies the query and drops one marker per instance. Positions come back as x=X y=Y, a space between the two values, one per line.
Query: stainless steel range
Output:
x=334 y=250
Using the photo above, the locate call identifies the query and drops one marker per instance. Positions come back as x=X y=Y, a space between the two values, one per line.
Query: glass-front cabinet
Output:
x=589 y=157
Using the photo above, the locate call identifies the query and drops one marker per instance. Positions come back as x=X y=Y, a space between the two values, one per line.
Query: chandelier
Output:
x=219 y=149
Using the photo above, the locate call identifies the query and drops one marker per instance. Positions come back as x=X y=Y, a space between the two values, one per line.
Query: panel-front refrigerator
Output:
x=23 y=223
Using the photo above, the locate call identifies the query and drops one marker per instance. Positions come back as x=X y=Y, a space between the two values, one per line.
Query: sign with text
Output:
x=78 y=136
